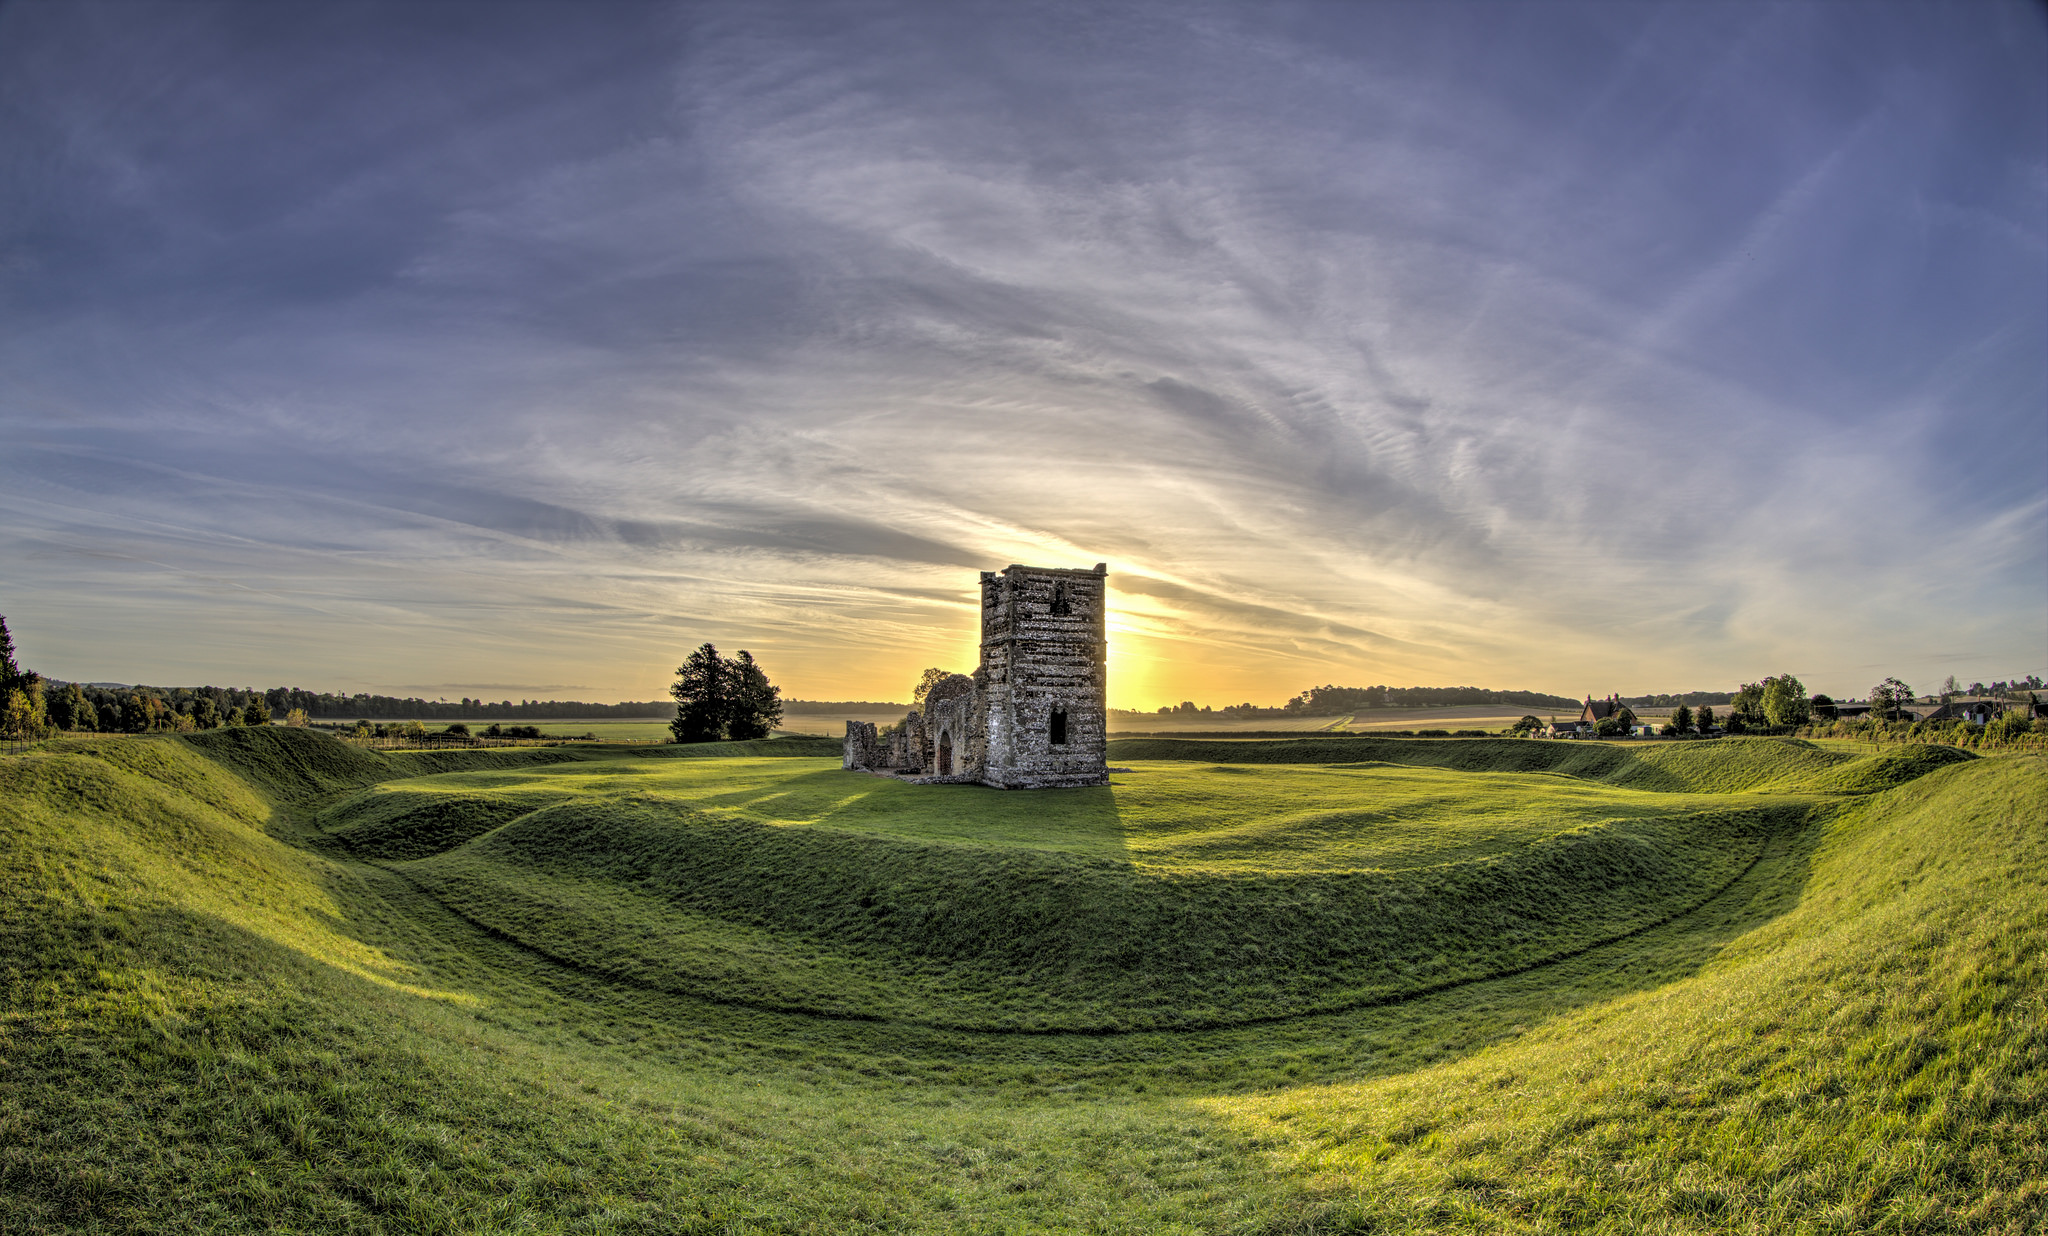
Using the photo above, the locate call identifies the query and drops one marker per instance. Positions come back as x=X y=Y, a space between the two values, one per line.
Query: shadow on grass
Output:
x=1411 y=1032
x=1069 y=923
x=1383 y=1035
x=1083 y=821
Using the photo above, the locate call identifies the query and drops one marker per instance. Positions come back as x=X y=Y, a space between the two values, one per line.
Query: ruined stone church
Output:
x=1035 y=714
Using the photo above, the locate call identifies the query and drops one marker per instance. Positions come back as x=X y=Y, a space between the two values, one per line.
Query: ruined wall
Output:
x=955 y=724
x=863 y=747
x=1044 y=675
x=1035 y=715
x=907 y=748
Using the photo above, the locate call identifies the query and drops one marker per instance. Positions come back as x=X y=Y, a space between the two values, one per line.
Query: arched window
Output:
x=1059 y=727
x=1061 y=607
x=945 y=754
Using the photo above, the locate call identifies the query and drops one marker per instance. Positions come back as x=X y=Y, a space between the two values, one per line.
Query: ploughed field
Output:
x=258 y=980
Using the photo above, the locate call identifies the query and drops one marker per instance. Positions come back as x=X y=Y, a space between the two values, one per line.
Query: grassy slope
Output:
x=203 y=1026
x=1124 y=916
x=1723 y=766
x=196 y=1032
x=1874 y=1060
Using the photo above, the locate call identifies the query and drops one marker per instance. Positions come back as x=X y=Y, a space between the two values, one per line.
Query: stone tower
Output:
x=1044 y=677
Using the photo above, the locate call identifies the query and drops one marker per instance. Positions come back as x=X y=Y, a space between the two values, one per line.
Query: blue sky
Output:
x=513 y=350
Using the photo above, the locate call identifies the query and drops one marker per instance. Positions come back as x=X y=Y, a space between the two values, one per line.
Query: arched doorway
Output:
x=945 y=753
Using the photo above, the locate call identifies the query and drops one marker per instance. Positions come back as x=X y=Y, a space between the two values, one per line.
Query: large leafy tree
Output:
x=1746 y=710
x=1785 y=701
x=723 y=697
x=71 y=709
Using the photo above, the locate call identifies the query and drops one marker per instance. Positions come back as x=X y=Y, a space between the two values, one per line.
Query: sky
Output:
x=512 y=350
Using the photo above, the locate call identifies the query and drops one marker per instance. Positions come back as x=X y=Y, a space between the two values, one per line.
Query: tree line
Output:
x=1331 y=700
x=324 y=705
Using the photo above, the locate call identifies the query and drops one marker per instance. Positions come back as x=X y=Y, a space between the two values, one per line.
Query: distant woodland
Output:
x=116 y=707
x=1330 y=701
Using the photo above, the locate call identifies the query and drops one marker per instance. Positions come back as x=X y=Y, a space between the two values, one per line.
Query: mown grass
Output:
x=216 y=1014
x=1724 y=766
x=1876 y=1059
x=1178 y=897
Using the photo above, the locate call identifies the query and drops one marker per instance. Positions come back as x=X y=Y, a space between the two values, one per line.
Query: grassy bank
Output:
x=238 y=993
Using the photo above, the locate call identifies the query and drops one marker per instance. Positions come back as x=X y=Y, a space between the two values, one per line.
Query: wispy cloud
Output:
x=1633 y=347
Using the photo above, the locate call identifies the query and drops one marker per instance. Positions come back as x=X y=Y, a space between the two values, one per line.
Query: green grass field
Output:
x=255 y=980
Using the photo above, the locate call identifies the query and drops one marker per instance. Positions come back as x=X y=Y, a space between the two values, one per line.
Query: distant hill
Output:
x=812 y=708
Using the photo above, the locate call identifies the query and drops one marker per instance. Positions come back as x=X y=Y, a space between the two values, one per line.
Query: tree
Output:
x=756 y=703
x=1824 y=708
x=930 y=678
x=1526 y=726
x=1948 y=688
x=729 y=697
x=1681 y=719
x=1705 y=719
x=1746 y=710
x=1610 y=727
x=61 y=707
x=23 y=716
x=141 y=713
x=256 y=712
x=1785 y=702
x=10 y=672
x=206 y=713
x=700 y=695
x=1888 y=697
x=296 y=718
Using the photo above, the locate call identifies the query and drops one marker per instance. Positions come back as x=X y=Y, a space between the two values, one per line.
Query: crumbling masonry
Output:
x=1035 y=714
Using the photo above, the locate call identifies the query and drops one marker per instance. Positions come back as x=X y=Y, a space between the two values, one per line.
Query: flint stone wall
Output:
x=956 y=728
x=1044 y=667
x=1035 y=714
x=863 y=747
